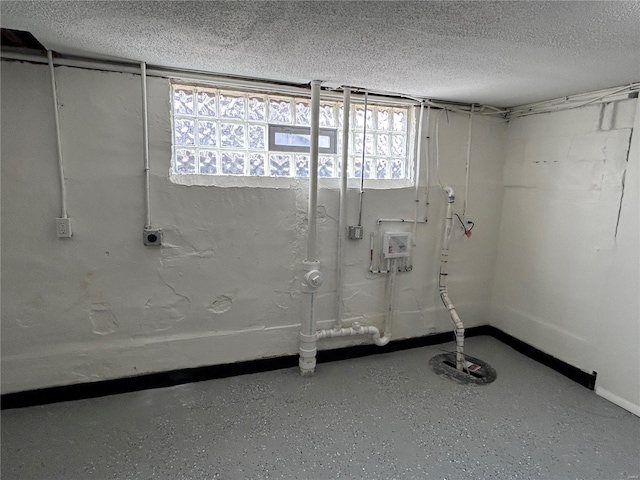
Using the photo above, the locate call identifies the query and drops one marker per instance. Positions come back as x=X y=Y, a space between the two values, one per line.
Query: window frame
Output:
x=243 y=178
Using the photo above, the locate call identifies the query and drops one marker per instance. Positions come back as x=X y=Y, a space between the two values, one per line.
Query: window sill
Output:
x=230 y=181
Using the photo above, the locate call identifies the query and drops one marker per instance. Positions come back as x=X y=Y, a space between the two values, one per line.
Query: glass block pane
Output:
x=207 y=133
x=185 y=161
x=183 y=101
x=232 y=106
x=399 y=121
x=256 y=164
x=340 y=115
x=303 y=113
x=232 y=135
x=397 y=168
x=184 y=131
x=326 y=167
x=339 y=142
x=397 y=145
x=257 y=135
x=302 y=165
x=208 y=162
x=381 y=168
x=382 y=144
x=280 y=111
x=383 y=120
x=280 y=165
x=207 y=104
x=233 y=163
x=359 y=118
x=357 y=143
x=357 y=167
x=257 y=109
x=327 y=115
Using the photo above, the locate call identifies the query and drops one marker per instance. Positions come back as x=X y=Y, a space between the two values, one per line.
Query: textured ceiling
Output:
x=498 y=53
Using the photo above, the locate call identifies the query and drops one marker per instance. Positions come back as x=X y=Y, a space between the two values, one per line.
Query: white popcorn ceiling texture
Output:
x=497 y=53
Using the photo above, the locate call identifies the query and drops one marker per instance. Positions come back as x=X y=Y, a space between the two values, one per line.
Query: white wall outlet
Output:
x=63 y=227
x=152 y=237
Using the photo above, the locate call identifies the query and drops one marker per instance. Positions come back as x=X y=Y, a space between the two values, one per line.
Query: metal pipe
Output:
x=313 y=171
x=442 y=283
x=56 y=117
x=145 y=144
x=466 y=181
x=342 y=227
x=364 y=148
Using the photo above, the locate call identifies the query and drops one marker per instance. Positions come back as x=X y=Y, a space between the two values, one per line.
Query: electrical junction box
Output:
x=396 y=245
x=152 y=237
x=356 y=232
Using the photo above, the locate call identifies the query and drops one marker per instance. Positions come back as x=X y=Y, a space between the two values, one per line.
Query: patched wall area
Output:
x=225 y=286
x=567 y=276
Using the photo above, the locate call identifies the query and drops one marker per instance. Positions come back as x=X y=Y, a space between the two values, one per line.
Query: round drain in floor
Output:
x=476 y=372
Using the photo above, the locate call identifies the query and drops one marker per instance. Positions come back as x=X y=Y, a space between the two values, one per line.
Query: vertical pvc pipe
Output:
x=442 y=283
x=308 y=336
x=342 y=227
x=145 y=144
x=313 y=171
x=426 y=162
x=56 y=117
x=466 y=182
x=418 y=162
x=364 y=150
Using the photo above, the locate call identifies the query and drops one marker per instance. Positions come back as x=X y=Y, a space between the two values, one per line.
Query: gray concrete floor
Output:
x=386 y=416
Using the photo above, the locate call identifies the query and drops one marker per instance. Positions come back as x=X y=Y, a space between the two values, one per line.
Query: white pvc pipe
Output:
x=313 y=171
x=391 y=293
x=418 y=162
x=466 y=181
x=426 y=162
x=308 y=337
x=145 y=144
x=127 y=66
x=442 y=284
x=56 y=117
x=342 y=227
x=355 y=329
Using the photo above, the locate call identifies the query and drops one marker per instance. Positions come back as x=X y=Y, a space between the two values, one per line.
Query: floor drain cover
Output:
x=476 y=372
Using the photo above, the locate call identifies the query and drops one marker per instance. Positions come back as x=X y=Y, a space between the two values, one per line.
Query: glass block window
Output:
x=223 y=132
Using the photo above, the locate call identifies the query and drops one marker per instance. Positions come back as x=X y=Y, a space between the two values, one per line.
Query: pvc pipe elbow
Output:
x=451 y=195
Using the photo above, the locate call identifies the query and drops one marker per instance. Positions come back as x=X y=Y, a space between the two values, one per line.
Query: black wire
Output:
x=463 y=225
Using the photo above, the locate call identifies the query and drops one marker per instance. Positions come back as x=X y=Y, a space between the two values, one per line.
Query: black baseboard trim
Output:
x=585 y=379
x=103 y=388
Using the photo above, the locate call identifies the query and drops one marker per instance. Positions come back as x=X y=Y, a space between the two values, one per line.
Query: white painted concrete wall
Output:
x=567 y=274
x=224 y=286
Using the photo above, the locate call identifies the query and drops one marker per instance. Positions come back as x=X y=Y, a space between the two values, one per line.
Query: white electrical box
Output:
x=396 y=245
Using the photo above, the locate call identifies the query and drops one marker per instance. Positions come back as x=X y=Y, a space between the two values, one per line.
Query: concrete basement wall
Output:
x=567 y=273
x=225 y=285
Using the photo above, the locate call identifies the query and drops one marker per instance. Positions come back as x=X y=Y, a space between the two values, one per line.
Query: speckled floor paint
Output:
x=386 y=416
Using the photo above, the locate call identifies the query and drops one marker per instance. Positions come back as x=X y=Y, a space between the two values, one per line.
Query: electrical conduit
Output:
x=355 y=328
x=444 y=294
x=63 y=187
